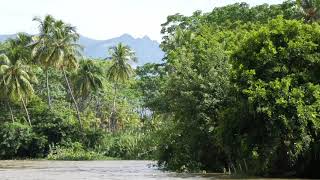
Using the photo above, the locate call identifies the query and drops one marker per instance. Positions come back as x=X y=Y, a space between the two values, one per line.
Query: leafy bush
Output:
x=121 y=145
x=18 y=140
x=60 y=130
x=55 y=128
x=283 y=96
x=129 y=145
x=49 y=129
x=74 y=152
x=91 y=138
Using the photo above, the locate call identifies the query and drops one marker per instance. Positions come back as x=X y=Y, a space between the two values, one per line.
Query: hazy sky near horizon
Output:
x=103 y=19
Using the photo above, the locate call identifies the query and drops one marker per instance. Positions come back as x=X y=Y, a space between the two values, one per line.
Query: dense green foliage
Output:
x=56 y=104
x=278 y=70
x=18 y=140
x=238 y=89
x=74 y=152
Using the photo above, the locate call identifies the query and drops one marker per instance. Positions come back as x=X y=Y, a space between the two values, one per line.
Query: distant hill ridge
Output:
x=147 y=50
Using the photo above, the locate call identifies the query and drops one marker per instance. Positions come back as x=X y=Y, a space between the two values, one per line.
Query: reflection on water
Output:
x=90 y=170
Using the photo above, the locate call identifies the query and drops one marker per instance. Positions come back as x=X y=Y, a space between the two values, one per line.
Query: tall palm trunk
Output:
x=114 y=98
x=72 y=97
x=48 y=88
x=26 y=110
x=113 y=118
x=8 y=103
x=11 y=113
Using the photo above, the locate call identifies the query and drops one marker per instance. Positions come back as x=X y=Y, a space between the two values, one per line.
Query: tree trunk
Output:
x=11 y=114
x=113 y=118
x=25 y=108
x=72 y=97
x=8 y=103
x=48 y=89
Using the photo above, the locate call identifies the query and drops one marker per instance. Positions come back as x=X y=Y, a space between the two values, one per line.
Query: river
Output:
x=90 y=170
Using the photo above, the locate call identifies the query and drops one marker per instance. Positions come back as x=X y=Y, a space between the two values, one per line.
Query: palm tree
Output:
x=120 y=71
x=310 y=9
x=17 y=48
x=57 y=47
x=4 y=63
x=88 y=79
x=13 y=50
x=18 y=79
x=42 y=49
x=67 y=53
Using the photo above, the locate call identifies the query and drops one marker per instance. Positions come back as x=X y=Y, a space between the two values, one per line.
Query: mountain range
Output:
x=147 y=50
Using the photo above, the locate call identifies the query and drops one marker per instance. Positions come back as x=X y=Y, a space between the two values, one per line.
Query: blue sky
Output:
x=103 y=19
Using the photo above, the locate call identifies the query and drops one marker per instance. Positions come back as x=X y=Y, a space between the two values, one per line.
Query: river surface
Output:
x=91 y=170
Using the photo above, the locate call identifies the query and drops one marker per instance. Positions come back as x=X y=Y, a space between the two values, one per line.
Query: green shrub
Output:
x=18 y=140
x=74 y=152
x=120 y=145
x=59 y=130
x=56 y=128
x=128 y=145
x=91 y=138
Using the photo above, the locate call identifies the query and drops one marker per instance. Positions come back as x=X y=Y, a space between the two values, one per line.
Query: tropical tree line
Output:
x=56 y=48
x=239 y=90
x=52 y=98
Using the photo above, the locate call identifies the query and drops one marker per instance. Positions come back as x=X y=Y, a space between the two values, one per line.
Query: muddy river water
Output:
x=91 y=170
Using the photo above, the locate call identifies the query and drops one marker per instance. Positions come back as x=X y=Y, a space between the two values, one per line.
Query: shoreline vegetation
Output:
x=238 y=92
